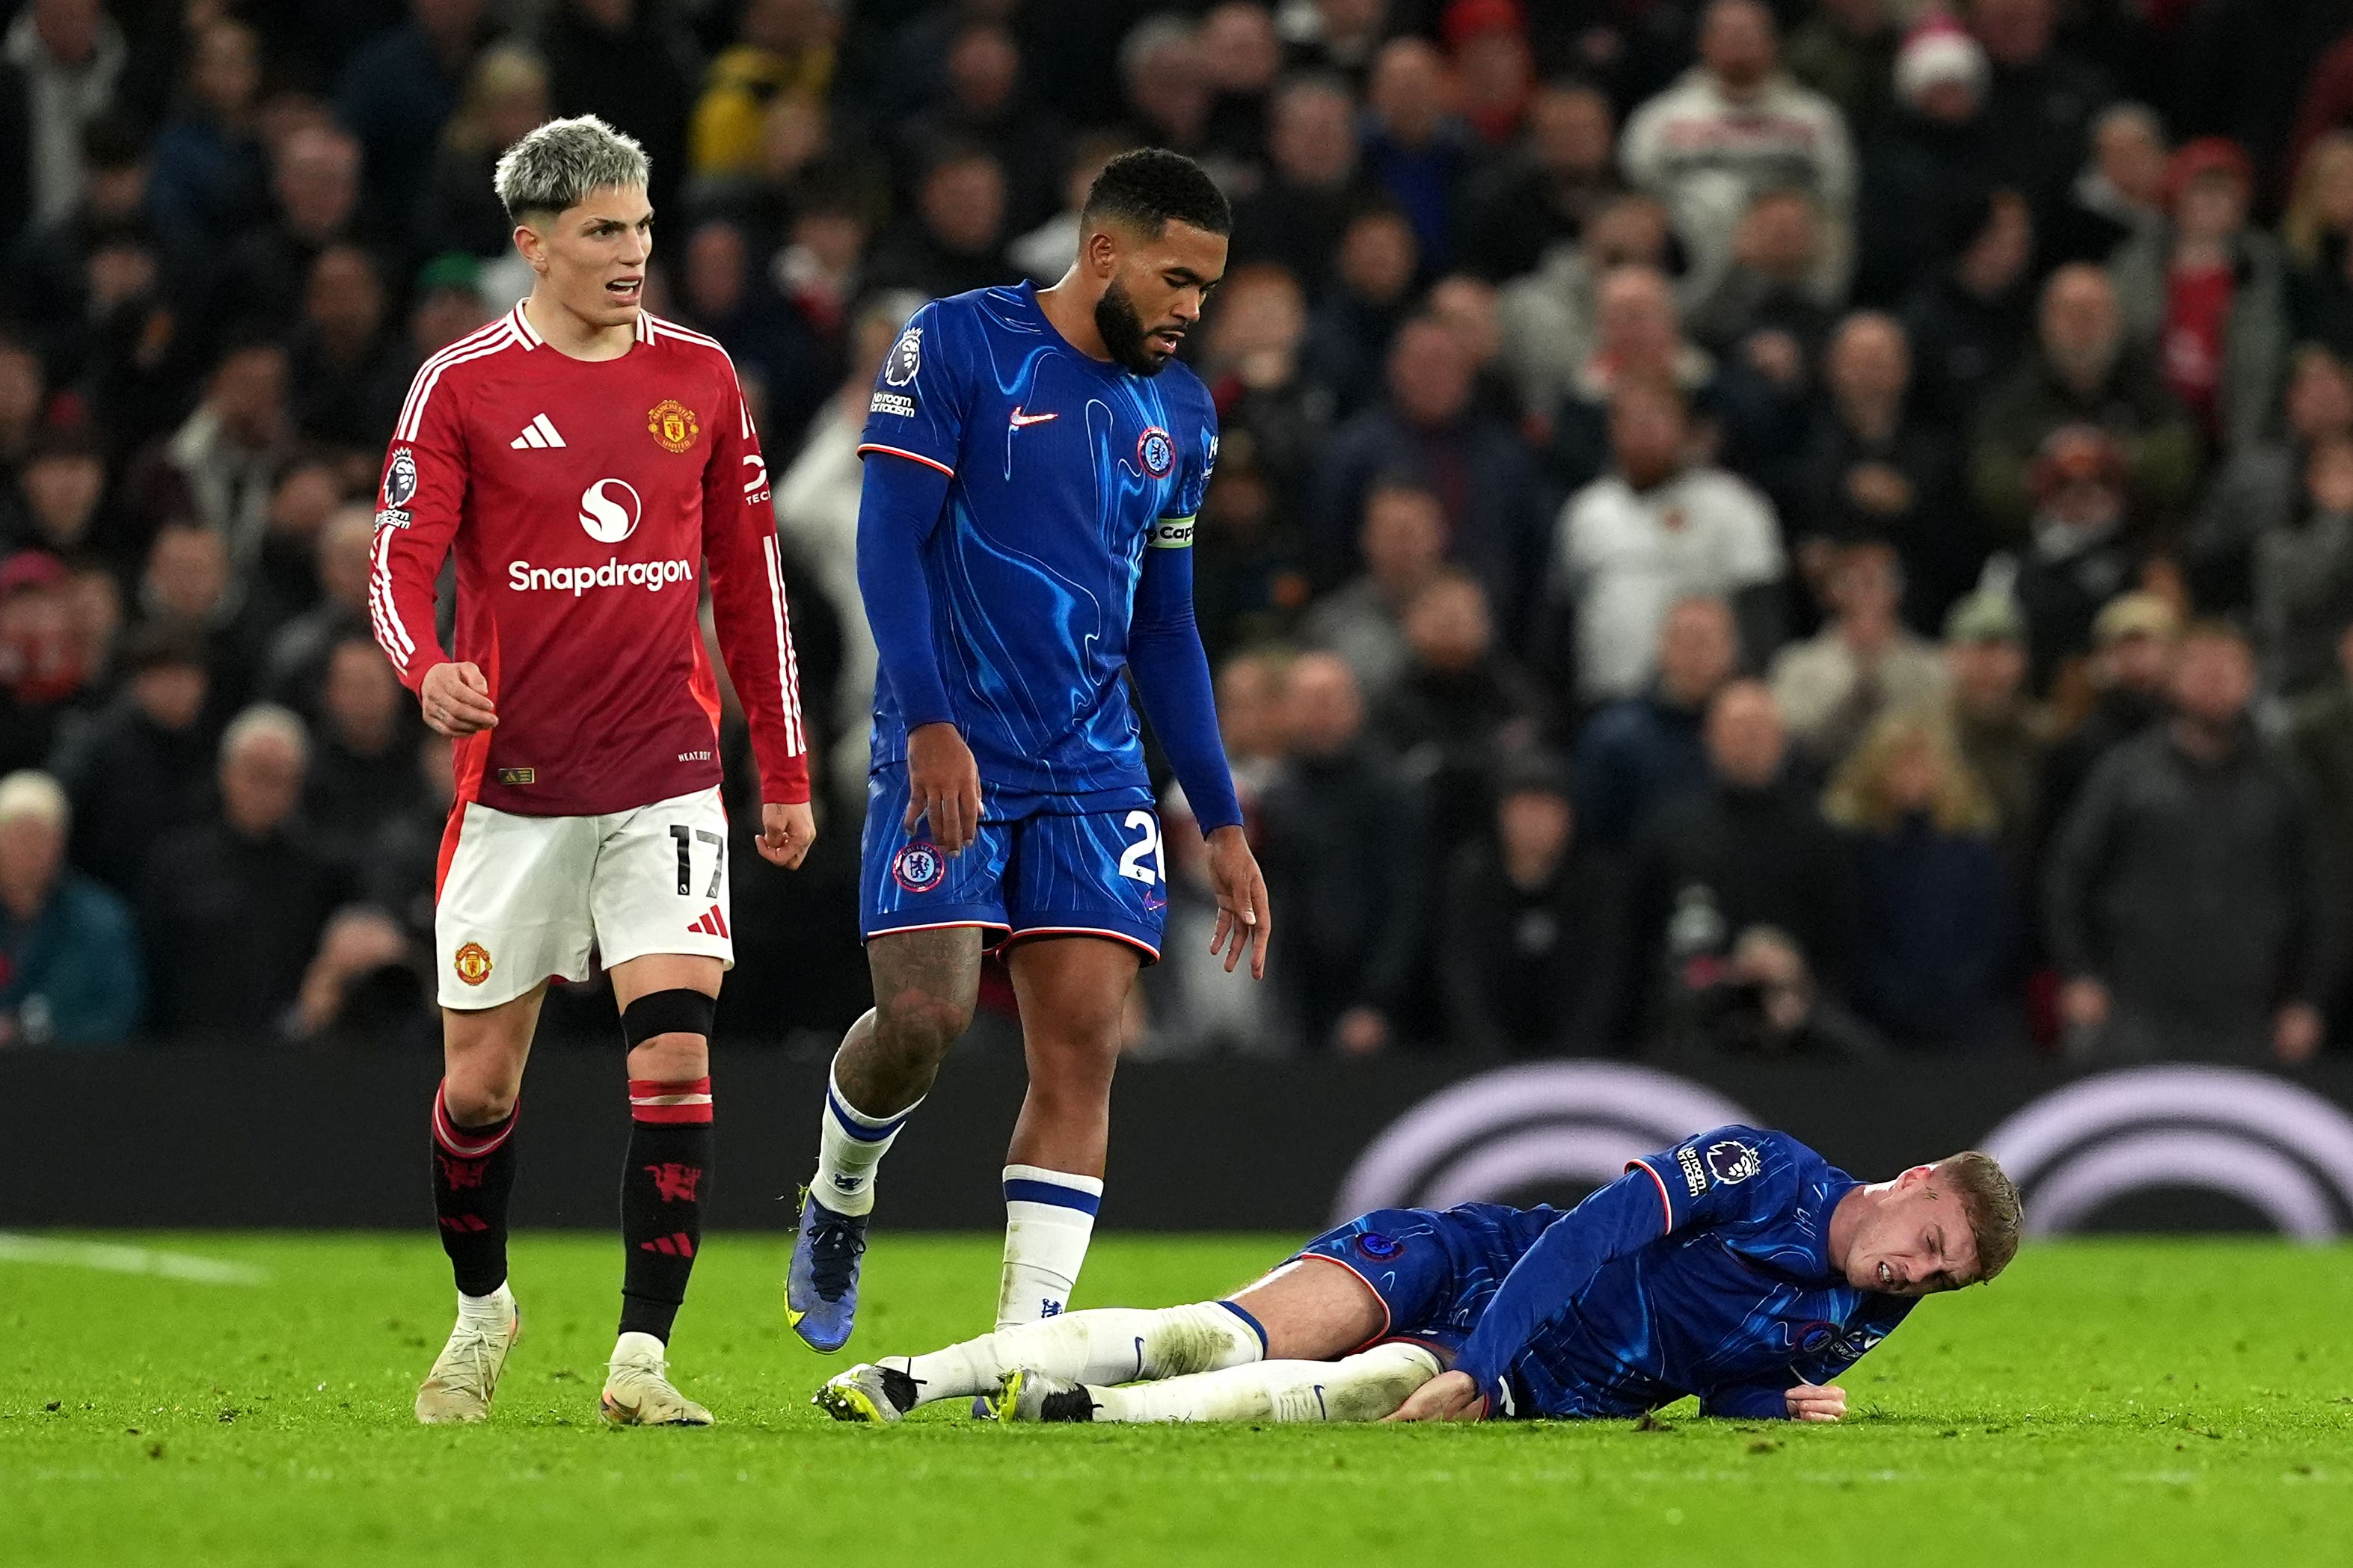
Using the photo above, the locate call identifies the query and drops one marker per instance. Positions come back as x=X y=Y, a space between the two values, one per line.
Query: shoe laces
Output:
x=659 y=1370
x=836 y=1243
x=470 y=1354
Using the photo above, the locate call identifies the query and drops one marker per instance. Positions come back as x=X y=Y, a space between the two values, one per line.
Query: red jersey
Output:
x=2196 y=321
x=587 y=502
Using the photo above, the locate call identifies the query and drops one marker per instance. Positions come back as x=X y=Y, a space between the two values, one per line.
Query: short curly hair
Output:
x=1151 y=187
x=558 y=163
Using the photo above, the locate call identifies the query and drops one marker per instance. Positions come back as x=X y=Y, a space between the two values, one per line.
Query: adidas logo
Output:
x=712 y=924
x=676 y=1244
x=538 y=433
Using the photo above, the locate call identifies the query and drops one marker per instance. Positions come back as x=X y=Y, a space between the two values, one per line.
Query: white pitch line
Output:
x=118 y=1260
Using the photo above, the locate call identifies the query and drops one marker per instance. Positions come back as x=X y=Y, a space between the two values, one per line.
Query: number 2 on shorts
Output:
x=1130 y=863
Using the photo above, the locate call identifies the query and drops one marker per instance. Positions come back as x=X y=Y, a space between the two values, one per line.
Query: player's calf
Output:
x=1071 y=994
x=1365 y=1387
x=664 y=1183
x=926 y=984
x=1108 y=1345
x=473 y=1177
x=473 y=1174
x=1050 y=1219
x=472 y=1171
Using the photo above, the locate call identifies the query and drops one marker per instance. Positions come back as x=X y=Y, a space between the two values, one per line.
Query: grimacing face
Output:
x=594 y=253
x=1916 y=1242
x=1156 y=288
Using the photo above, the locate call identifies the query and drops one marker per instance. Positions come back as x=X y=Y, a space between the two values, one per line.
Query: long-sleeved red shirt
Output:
x=587 y=501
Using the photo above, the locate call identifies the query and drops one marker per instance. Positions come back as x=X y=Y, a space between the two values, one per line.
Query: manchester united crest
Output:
x=673 y=424
x=473 y=963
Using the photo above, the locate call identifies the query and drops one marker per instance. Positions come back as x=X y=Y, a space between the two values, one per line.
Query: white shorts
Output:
x=526 y=898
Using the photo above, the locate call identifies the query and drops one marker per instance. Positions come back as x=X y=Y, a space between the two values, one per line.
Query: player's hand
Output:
x=1244 y=921
x=785 y=834
x=457 y=700
x=1449 y=1396
x=944 y=784
x=1808 y=1402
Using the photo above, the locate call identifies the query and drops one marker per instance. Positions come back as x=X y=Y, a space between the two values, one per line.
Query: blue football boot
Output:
x=821 y=1282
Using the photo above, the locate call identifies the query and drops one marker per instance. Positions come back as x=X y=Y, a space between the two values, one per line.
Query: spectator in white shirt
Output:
x=1661 y=526
x=1734 y=126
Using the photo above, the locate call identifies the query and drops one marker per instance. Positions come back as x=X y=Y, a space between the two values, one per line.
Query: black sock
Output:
x=662 y=1188
x=473 y=1174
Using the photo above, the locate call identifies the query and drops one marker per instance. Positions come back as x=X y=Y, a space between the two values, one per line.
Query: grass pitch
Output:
x=2128 y=1403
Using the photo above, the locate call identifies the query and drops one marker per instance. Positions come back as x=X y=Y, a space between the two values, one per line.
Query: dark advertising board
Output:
x=189 y=1137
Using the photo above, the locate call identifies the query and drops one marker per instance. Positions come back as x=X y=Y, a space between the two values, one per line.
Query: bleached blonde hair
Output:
x=561 y=161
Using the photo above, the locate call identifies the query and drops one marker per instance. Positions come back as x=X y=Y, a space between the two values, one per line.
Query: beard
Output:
x=1122 y=333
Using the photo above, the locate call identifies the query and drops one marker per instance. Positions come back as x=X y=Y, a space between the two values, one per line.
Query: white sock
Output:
x=490 y=1311
x=1110 y=1344
x=637 y=1346
x=1049 y=1218
x=1364 y=1387
x=849 y=1145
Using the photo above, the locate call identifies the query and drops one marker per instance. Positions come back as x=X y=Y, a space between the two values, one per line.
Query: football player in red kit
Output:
x=593 y=467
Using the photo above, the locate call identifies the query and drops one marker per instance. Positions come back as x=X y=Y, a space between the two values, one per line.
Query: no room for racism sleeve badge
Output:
x=673 y=424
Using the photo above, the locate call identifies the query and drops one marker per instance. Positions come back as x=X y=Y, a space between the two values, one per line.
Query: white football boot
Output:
x=466 y=1374
x=869 y=1394
x=638 y=1391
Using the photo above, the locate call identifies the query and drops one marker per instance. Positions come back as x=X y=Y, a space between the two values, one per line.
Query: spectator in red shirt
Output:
x=2210 y=294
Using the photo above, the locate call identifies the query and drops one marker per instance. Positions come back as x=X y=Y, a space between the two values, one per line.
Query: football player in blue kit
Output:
x=1034 y=460
x=1738 y=1266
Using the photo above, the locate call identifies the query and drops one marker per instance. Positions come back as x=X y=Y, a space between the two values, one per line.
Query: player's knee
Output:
x=1082 y=1053
x=669 y=1033
x=478 y=1098
x=916 y=1023
x=1372 y=1383
x=1071 y=1082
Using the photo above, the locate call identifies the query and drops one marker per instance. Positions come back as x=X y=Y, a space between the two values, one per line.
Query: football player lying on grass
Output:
x=1738 y=1266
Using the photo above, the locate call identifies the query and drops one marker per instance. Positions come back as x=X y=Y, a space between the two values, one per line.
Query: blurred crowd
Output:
x=1815 y=529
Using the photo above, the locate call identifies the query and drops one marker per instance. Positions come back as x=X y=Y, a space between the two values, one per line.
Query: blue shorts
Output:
x=1435 y=1270
x=1038 y=868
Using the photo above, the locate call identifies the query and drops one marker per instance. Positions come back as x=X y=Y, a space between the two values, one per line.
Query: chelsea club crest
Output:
x=919 y=867
x=1155 y=452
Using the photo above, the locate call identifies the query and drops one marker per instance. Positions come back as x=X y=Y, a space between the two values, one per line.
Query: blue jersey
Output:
x=1702 y=1271
x=1063 y=470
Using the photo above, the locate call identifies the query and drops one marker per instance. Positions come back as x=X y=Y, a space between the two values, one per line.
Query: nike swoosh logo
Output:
x=1019 y=419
